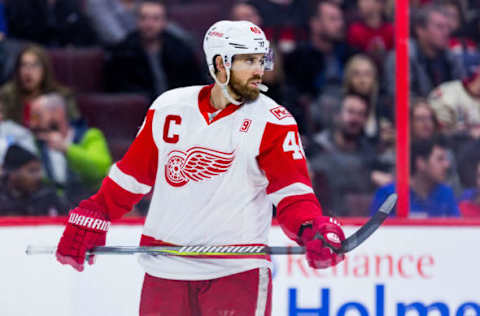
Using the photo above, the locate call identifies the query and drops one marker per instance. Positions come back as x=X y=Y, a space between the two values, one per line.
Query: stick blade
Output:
x=371 y=226
x=389 y=204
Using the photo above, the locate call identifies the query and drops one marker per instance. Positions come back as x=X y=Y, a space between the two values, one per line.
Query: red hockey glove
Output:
x=319 y=256
x=86 y=228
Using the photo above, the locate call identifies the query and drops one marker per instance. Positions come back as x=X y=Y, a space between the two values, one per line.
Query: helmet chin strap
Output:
x=224 y=87
x=228 y=96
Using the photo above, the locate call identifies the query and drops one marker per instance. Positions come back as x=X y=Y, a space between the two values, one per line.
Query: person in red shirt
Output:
x=371 y=33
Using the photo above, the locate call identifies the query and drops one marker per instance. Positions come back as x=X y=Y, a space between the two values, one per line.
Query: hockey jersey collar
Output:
x=206 y=108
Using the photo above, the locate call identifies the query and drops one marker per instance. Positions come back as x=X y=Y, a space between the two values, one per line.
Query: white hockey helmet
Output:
x=230 y=38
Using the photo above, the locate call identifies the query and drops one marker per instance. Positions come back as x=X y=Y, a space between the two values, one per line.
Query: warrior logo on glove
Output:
x=86 y=228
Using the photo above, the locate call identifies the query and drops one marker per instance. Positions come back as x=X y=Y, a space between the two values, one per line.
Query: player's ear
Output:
x=220 y=70
x=219 y=66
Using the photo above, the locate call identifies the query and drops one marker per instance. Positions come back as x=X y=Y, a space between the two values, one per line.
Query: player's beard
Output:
x=243 y=90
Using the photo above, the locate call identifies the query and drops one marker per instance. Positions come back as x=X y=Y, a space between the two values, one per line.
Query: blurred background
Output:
x=77 y=77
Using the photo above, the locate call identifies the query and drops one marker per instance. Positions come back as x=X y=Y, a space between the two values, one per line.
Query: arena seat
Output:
x=81 y=69
x=118 y=115
x=196 y=17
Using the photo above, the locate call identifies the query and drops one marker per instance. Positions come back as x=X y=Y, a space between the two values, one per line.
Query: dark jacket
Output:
x=423 y=81
x=310 y=73
x=129 y=70
x=339 y=174
x=43 y=202
x=55 y=26
x=306 y=68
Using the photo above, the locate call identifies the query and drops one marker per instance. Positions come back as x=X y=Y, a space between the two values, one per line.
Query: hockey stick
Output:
x=357 y=238
x=352 y=242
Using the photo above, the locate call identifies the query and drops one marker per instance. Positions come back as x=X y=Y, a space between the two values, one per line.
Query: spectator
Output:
x=245 y=11
x=361 y=78
x=317 y=65
x=429 y=196
x=371 y=34
x=74 y=157
x=461 y=46
x=32 y=77
x=152 y=60
x=424 y=126
x=431 y=63
x=22 y=191
x=112 y=20
x=456 y=19
x=13 y=133
x=52 y=23
x=424 y=122
x=341 y=163
x=457 y=106
x=284 y=21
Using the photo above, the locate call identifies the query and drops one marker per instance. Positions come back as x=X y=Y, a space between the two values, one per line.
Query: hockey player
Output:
x=219 y=157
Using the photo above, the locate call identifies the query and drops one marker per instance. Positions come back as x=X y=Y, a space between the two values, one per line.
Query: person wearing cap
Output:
x=22 y=191
x=220 y=157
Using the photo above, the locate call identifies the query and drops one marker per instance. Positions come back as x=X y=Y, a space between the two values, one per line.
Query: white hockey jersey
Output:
x=455 y=108
x=215 y=175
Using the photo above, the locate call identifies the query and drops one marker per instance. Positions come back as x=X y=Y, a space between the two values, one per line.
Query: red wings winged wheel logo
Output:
x=197 y=164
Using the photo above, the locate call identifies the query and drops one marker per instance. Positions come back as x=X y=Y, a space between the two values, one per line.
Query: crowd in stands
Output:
x=77 y=77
